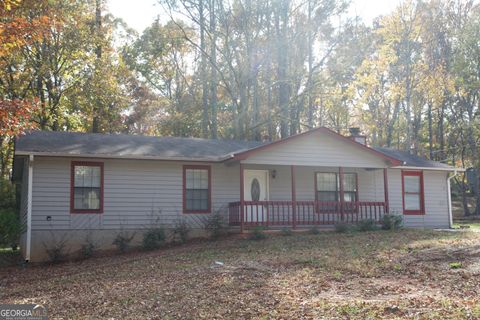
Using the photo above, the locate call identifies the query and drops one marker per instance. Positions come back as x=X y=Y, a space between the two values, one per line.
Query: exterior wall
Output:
x=435 y=197
x=138 y=192
x=370 y=183
x=317 y=149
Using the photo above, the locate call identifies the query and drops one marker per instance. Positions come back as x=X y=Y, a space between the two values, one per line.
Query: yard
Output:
x=404 y=274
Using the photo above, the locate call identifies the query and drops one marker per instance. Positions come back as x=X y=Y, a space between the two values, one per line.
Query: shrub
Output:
x=258 y=233
x=367 y=225
x=87 y=250
x=56 y=249
x=342 y=227
x=154 y=238
x=89 y=247
x=215 y=225
x=181 y=230
x=392 y=222
x=10 y=228
x=286 y=232
x=122 y=241
x=314 y=230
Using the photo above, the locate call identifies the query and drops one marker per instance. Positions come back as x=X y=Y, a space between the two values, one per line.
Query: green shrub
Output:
x=392 y=222
x=258 y=233
x=56 y=249
x=87 y=250
x=314 y=230
x=122 y=241
x=154 y=238
x=367 y=225
x=455 y=265
x=10 y=228
x=342 y=227
x=181 y=230
x=215 y=225
x=286 y=232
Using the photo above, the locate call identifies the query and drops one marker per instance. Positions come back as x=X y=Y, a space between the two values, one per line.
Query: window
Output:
x=328 y=187
x=196 y=189
x=412 y=183
x=86 y=187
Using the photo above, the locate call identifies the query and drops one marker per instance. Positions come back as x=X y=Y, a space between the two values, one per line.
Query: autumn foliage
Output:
x=15 y=116
x=15 y=32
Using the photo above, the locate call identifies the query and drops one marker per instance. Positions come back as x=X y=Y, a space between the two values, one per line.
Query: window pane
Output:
x=79 y=176
x=412 y=202
x=95 y=177
x=349 y=182
x=412 y=184
x=78 y=199
x=326 y=182
x=189 y=178
x=327 y=196
x=349 y=196
x=189 y=204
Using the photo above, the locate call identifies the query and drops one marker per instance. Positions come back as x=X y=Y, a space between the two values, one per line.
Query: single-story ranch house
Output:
x=78 y=185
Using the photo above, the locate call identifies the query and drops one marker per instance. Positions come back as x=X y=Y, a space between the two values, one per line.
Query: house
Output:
x=78 y=185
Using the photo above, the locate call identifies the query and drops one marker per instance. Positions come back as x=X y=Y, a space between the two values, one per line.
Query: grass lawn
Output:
x=405 y=274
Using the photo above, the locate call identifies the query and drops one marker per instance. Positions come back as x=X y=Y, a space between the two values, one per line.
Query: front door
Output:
x=255 y=189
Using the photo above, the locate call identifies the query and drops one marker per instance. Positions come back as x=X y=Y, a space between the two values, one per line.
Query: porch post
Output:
x=342 y=197
x=385 y=190
x=294 y=197
x=242 y=200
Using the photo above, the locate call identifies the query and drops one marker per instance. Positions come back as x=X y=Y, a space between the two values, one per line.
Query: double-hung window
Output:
x=328 y=187
x=413 y=202
x=86 y=187
x=196 y=189
x=328 y=190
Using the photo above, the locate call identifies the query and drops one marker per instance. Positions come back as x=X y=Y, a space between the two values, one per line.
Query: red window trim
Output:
x=72 y=188
x=315 y=182
x=422 y=193
x=208 y=168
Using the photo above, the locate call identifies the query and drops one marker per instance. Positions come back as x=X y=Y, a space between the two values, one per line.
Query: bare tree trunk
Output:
x=430 y=131
x=281 y=24
x=213 y=74
x=98 y=53
x=203 y=70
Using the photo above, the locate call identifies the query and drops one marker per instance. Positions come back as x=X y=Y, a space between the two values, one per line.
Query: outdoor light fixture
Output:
x=274 y=174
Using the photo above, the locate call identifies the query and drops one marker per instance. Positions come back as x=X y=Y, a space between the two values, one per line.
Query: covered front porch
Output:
x=301 y=196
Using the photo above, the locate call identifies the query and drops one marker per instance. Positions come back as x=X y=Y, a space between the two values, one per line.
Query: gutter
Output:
x=29 y=209
x=449 y=197
x=451 y=169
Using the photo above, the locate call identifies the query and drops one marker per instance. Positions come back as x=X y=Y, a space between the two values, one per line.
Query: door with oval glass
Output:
x=256 y=189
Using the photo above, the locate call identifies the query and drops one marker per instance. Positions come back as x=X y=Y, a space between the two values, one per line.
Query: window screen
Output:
x=197 y=185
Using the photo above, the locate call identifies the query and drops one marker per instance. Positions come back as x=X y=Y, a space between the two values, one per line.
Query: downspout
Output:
x=29 y=209
x=449 y=195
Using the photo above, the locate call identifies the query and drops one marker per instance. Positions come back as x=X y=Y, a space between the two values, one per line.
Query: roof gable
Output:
x=328 y=135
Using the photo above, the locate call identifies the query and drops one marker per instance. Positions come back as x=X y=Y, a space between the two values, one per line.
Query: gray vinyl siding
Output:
x=317 y=149
x=370 y=182
x=435 y=197
x=136 y=193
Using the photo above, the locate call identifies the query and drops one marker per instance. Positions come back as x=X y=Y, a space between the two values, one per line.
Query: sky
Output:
x=139 y=14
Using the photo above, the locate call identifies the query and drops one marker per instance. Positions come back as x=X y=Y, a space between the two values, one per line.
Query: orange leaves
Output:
x=15 y=116
x=16 y=30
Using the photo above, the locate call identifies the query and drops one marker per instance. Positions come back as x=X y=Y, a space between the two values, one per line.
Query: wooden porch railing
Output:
x=280 y=213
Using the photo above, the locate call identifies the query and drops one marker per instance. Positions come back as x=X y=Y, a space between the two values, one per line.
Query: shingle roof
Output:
x=171 y=148
x=122 y=145
x=411 y=160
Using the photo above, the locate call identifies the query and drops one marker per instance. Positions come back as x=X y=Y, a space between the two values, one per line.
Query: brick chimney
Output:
x=356 y=136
